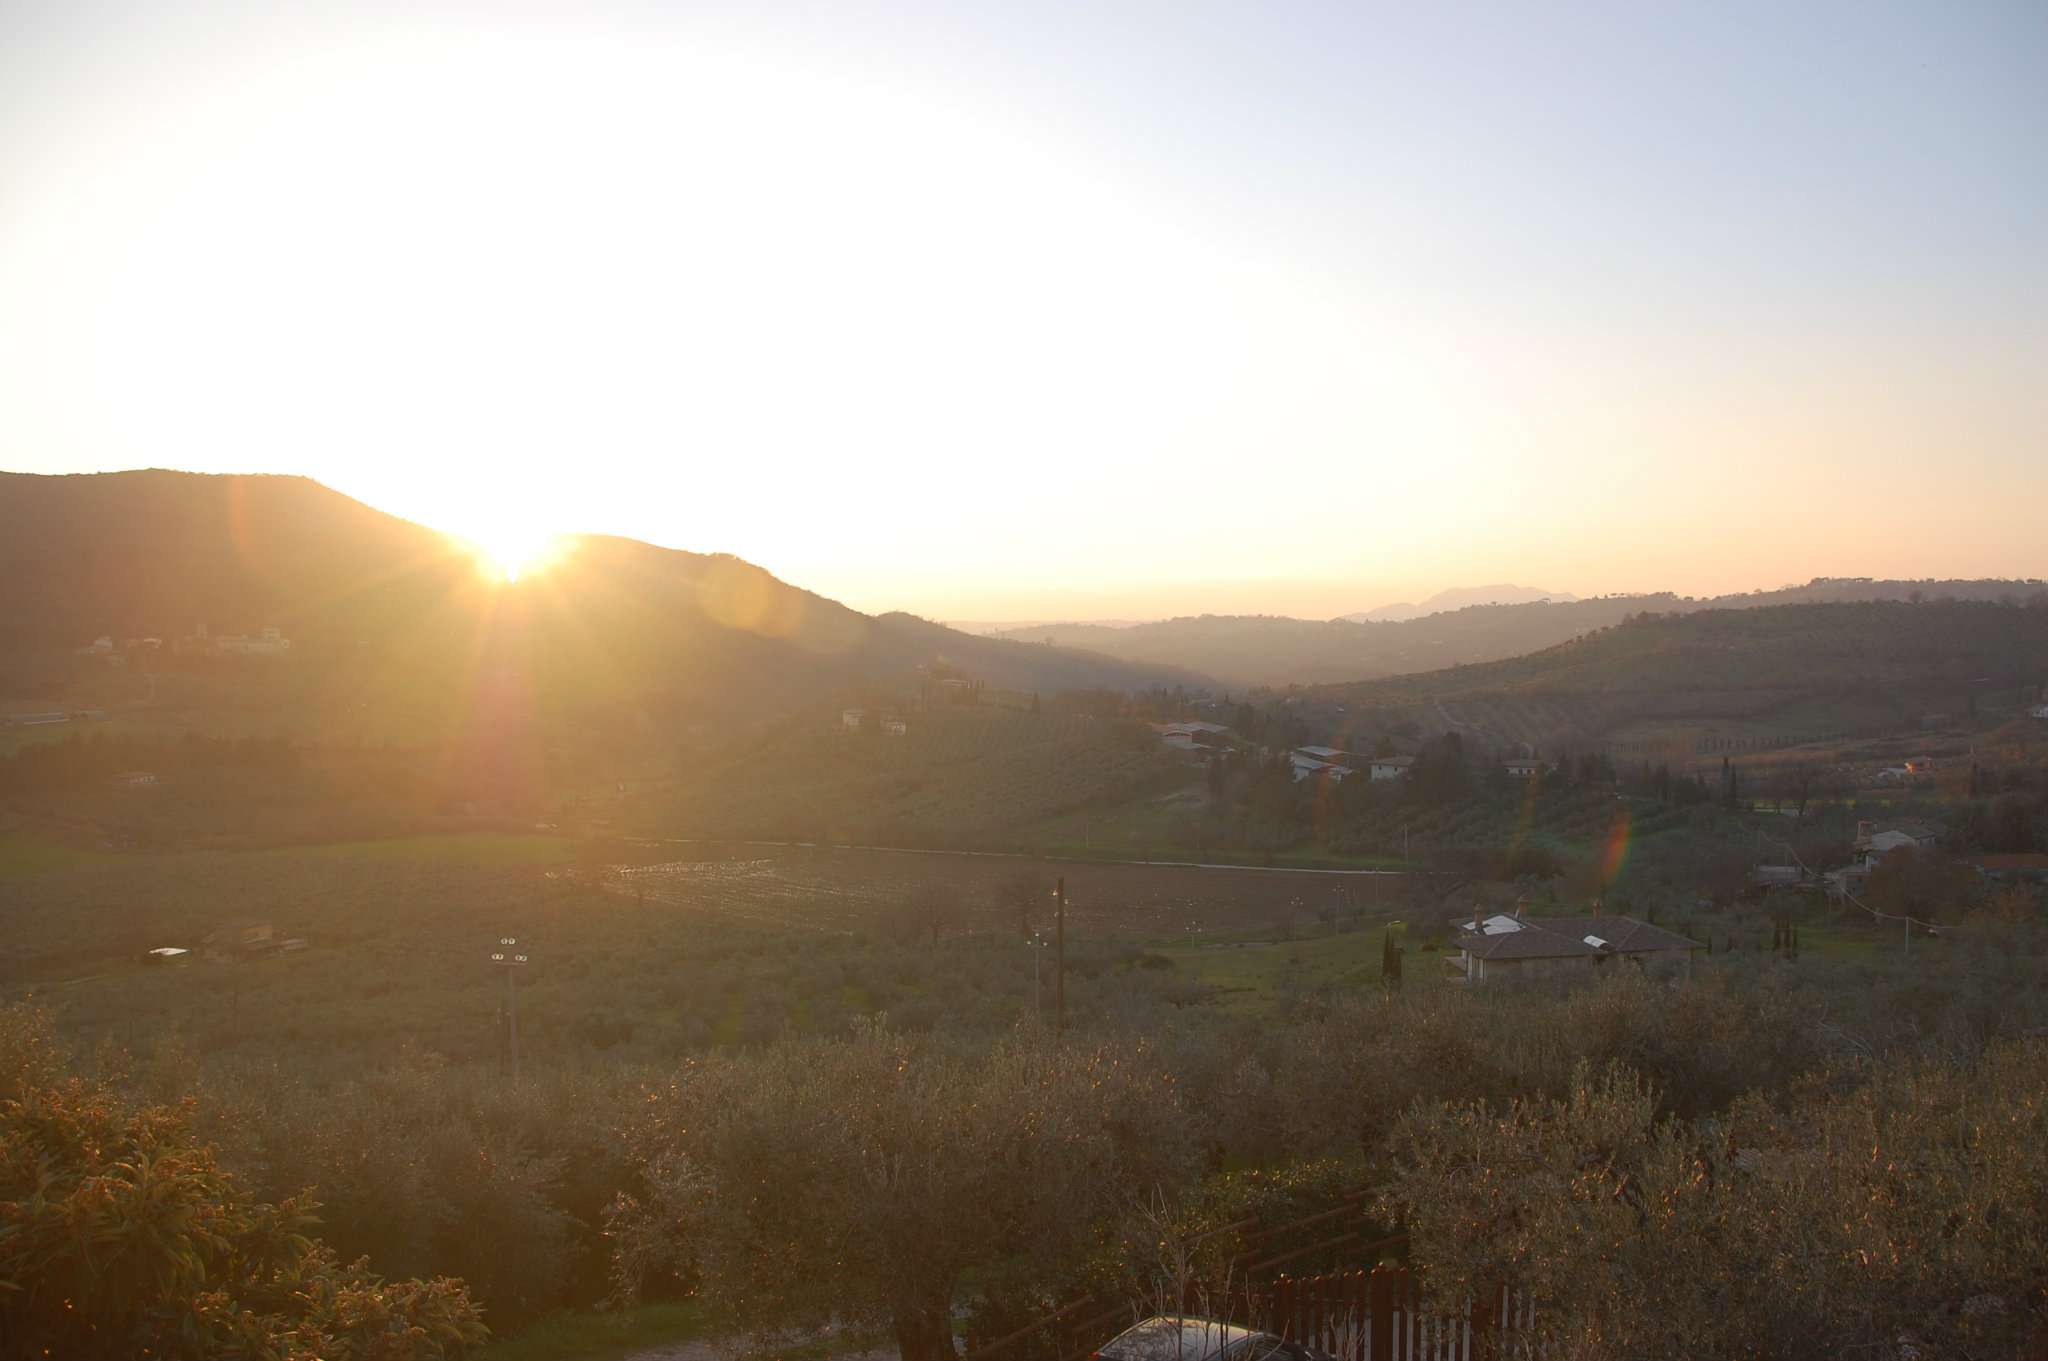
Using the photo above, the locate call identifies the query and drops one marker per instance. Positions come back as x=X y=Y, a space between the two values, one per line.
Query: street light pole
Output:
x=511 y=959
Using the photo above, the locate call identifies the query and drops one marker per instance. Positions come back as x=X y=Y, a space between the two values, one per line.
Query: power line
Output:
x=1846 y=894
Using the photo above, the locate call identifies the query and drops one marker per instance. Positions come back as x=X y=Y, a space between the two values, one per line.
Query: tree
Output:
x=929 y=910
x=862 y=1178
x=1922 y=884
x=123 y=1236
x=1825 y=1225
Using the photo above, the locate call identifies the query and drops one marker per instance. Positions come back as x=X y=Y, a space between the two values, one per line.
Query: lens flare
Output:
x=1614 y=855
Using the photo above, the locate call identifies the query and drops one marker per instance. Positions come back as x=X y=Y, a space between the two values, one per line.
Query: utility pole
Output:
x=1059 y=978
x=509 y=958
x=1038 y=944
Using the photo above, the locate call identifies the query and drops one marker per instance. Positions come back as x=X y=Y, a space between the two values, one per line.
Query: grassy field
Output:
x=25 y=854
x=1255 y=976
x=586 y=1335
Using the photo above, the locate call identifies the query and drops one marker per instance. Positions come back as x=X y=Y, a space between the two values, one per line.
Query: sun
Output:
x=510 y=553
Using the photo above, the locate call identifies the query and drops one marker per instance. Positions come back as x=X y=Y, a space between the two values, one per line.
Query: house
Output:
x=1876 y=839
x=1391 y=767
x=1893 y=774
x=2038 y=711
x=1522 y=946
x=852 y=718
x=894 y=727
x=1191 y=734
x=135 y=779
x=102 y=646
x=1848 y=881
x=1308 y=767
x=1526 y=768
x=1335 y=756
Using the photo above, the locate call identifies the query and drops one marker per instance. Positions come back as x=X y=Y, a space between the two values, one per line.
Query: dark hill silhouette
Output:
x=386 y=615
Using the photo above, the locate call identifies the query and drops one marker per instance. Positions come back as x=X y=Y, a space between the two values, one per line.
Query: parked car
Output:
x=1179 y=1338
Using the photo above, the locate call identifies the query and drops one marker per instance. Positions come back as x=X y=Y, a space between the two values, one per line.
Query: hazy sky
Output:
x=1036 y=310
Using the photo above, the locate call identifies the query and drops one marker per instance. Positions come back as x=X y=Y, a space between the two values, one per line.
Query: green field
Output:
x=1258 y=976
x=589 y=1335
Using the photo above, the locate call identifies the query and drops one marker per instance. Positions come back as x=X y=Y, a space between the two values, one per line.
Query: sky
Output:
x=1038 y=311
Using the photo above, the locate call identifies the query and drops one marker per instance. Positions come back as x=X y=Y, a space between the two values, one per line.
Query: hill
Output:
x=1254 y=650
x=1457 y=598
x=1776 y=672
x=396 y=636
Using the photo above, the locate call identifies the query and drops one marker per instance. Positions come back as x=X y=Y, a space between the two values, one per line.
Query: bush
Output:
x=121 y=1235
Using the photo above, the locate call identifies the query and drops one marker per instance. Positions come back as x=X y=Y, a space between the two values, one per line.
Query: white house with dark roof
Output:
x=1539 y=947
x=1308 y=767
x=1391 y=767
x=1191 y=735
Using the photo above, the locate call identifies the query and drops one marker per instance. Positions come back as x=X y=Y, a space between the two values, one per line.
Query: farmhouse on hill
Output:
x=1308 y=767
x=1526 y=768
x=1874 y=840
x=1190 y=735
x=1521 y=946
x=1391 y=767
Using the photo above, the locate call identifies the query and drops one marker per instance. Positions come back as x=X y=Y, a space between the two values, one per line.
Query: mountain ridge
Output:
x=374 y=604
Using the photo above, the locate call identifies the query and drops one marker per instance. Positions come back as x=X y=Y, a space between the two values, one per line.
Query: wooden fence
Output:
x=1374 y=1315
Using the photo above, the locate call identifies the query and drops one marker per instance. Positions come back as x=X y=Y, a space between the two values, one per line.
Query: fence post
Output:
x=1486 y=1307
x=1380 y=1320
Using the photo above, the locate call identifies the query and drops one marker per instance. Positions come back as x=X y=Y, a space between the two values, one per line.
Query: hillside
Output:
x=1457 y=598
x=1252 y=650
x=395 y=635
x=1778 y=671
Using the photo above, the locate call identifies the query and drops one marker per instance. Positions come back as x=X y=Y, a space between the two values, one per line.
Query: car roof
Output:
x=1175 y=1338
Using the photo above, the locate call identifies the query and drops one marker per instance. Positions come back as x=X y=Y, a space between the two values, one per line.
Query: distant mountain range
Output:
x=386 y=617
x=1267 y=650
x=1458 y=598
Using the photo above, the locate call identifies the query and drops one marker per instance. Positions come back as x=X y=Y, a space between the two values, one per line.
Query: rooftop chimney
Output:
x=1521 y=908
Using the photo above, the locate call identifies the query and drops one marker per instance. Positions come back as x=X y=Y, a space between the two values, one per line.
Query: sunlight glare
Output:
x=510 y=554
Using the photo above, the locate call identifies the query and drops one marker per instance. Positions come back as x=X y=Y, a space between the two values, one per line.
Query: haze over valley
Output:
x=971 y=682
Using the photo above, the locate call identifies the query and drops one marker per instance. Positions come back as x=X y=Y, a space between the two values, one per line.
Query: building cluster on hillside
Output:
x=104 y=648
x=1521 y=946
x=1192 y=735
x=888 y=724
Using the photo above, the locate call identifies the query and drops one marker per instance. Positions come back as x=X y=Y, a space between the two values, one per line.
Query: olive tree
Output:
x=858 y=1179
